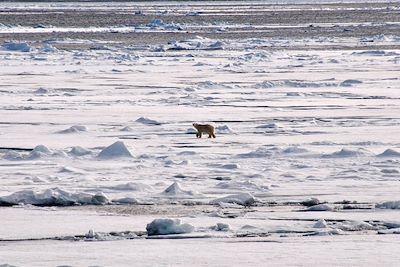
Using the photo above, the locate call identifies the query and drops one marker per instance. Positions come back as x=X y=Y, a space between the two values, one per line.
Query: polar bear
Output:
x=204 y=128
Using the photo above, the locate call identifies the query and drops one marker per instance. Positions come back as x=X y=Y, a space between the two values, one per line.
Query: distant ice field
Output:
x=97 y=140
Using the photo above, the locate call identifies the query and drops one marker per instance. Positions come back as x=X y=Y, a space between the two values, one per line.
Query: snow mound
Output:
x=389 y=231
x=223 y=129
x=265 y=85
x=346 y=153
x=230 y=166
x=159 y=24
x=41 y=91
x=370 y=53
x=175 y=190
x=244 y=199
x=197 y=43
x=389 y=205
x=321 y=223
x=79 y=151
x=168 y=227
x=246 y=185
x=53 y=197
x=140 y=187
x=348 y=83
x=144 y=120
x=125 y=200
x=116 y=150
x=222 y=227
x=310 y=202
x=269 y=126
x=355 y=226
x=389 y=153
x=261 y=152
x=13 y=155
x=74 y=129
x=40 y=151
x=294 y=150
x=127 y=129
x=320 y=207
x=18 y=47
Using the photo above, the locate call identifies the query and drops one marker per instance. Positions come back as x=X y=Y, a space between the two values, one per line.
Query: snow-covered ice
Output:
x=97 y=143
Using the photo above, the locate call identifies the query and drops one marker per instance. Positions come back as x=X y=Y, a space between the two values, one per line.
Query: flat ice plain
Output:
x=97 y=101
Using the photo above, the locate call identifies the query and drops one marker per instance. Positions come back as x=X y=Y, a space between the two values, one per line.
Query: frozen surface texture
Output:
x=97 y=102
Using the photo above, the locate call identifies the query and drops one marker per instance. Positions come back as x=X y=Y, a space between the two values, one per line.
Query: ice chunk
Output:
x=127 y=129
x=223 y=129
x=147 y=121
x=125 y=200
x=321 y=223
x=346 y=153
x=320 y=207
x=269 y=126
x=265 y=84
x=348 y=83
x=355 y=226
x=116 y=150
x=389 y=205
x=244 y=199
x=39 y=151
x=159 y=24
x=79 y=151
x=74 y=129
x=13 y=155
x=389 y=153
x=42 y=91
x=175 y=189
x=19 y=47
x=310 y=202
x=53 y=197
x=231 y=166
x=168 y=227
x=222 y=227
x=247 y=185
x=140 y=187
